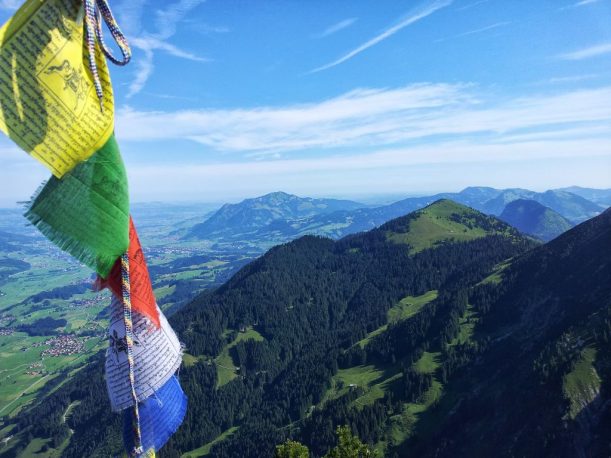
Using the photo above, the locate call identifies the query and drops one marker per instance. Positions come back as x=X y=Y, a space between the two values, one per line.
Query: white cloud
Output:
x=579 y=4
x=167 y=19
x=129 y=16
x=151 y=43
x=410 y=19
x=144 y=69
x=471 y=5
x=484 y=29
x=336 y=27
x=368 y=118
x=145 y=64
x=166 y=22
x=585 y=2
x=475 y=31
x=443 y=166
x=570 y=79
x=207 y=28
x=592 y=51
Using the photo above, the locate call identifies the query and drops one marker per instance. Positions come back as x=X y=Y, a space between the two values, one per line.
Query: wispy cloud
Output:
x=411 y=18
x=206 y=29
x=341 y=25
x=168 y=18
x=476 y=31
x=531 y=163
x=369 y=118
x=166 y=22
x=579 y=4
x=570 y=79
x=471 y=5
x=484 y=29
x=585 y=2
x=592 y=51
x=152 y=43
x=129 y=15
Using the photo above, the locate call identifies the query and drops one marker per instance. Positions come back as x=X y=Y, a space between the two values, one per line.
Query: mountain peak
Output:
x=443 y=221
x=443 y=206
x=277 y=195
x=481 y=190
x=275 y=212
x=534 y=218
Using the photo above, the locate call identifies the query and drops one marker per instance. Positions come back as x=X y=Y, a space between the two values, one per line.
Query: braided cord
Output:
x=129 y=339
x=97 y=11
x=105 y=12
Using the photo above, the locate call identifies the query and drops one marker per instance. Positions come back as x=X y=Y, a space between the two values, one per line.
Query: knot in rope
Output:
x=97 y=11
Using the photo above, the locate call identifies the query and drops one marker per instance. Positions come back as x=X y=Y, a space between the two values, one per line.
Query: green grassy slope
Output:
x=443 y=221
x=404 y=309
x=225 y=366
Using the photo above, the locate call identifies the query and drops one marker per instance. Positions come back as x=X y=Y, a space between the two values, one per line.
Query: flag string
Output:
x=129 y=340
x=95 y=12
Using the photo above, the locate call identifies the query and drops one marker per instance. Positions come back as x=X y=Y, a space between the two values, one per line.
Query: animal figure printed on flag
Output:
x=47 y=93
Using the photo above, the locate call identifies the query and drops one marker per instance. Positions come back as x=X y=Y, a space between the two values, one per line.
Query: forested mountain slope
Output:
x=542 y=387
x=441 y=333
x=532 y=218
x=301 y=307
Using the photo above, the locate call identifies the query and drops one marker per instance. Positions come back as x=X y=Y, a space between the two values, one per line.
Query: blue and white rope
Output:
x=97 y=11
x=129 y=339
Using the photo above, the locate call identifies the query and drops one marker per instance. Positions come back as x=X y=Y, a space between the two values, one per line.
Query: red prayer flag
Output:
x=142 y=297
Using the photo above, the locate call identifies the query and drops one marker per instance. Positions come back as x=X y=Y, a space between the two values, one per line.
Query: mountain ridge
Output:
x=341 y=222
x=263 y=211
x=533 y=218
x=306 y=301
x=555 y=303
x=493 y=346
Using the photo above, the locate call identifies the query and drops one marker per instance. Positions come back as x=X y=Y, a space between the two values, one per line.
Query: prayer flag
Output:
x=142 y=297
x=157 y=355
x=160 y=417
x=86 y=213
x=48 y=103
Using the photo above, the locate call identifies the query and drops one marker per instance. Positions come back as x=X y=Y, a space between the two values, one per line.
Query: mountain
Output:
x=442 y=222
x=530 y=217
x=272 y=212
x=442 y=333
x=474 y=196
x=542 y=387
x=488 y=200
x=289 y=320
x=496 y=205
x=571 y=206
x=259 y=220
x=599 y=196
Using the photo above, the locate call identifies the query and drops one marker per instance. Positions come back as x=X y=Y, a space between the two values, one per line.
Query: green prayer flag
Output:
x=86 y=212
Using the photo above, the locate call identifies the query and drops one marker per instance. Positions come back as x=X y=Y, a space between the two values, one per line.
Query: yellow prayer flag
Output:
x=48 y=103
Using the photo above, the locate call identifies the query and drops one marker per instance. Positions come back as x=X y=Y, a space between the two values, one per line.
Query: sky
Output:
x=228 y=99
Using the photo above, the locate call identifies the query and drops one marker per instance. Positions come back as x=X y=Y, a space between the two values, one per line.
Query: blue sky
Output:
x=226 y=99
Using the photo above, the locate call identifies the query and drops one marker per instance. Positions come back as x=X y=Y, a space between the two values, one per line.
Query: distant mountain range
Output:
x=275 y=212
x=283 y=217
x=599 y=196
x=532 y=218
x=442 y=333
